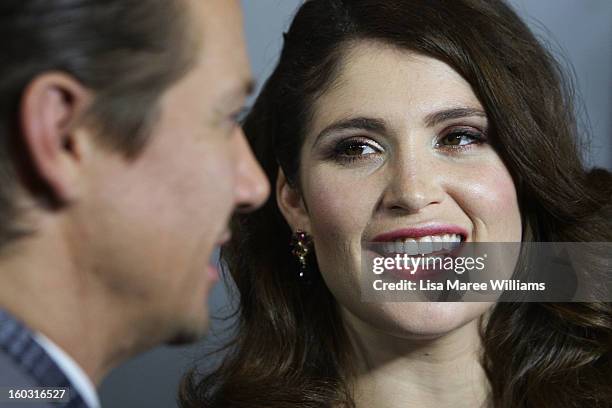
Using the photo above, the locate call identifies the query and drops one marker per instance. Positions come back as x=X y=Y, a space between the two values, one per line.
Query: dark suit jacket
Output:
x=26 y=365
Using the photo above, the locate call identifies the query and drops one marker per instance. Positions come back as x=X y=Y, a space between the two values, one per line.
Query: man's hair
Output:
x=127 y=52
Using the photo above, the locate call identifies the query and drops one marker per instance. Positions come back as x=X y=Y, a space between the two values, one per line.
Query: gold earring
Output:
x=301 y=243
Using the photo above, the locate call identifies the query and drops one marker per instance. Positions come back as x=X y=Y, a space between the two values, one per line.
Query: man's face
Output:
x=154 y=222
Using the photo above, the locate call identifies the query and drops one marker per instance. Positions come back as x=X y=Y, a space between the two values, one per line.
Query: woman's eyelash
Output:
x=455 y=140
x=461 y=139
x=351 y=150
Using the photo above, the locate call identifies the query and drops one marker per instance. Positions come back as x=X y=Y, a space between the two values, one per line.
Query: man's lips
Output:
x=213 y=273
x=227 y=235
x=213 y=263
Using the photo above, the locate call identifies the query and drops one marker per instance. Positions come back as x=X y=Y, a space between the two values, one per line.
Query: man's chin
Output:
x=188 y=335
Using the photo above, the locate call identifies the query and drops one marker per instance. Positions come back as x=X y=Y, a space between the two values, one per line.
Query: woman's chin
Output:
x=421 y=320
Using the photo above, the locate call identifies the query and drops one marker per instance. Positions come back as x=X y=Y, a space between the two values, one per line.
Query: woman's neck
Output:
x=438 y=372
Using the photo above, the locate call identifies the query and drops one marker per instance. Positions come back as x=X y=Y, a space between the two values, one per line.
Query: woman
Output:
x=386 y=120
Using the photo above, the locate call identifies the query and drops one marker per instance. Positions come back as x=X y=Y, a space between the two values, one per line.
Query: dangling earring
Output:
x=300 y=248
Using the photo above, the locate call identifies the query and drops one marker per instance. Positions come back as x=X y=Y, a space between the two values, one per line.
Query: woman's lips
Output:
x=418 y=245
x=418 y=232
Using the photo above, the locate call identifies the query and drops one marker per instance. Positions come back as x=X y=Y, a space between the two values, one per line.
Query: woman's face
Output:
x=398 y=142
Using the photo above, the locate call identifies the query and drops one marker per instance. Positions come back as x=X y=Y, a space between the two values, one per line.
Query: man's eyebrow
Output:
x=358 y=123
x=455 y=113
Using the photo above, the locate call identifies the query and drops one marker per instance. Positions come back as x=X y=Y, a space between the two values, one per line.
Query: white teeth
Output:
x=388 y=247
x=411 y=247
x=423 y=245
x=437 y=242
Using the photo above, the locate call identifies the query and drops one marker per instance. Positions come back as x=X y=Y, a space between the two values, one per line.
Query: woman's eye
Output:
x=460 y=138
x=356 y=149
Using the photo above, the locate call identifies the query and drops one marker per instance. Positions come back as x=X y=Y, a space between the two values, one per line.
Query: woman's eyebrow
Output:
x=358 y=123
x=378 y=125
x=438 y=117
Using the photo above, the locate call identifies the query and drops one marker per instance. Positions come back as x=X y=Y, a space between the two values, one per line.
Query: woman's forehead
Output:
x=392 y=83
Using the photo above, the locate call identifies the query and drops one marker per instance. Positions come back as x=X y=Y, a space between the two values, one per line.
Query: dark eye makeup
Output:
x=354 y=149
x=461 y=138
x=455 y=140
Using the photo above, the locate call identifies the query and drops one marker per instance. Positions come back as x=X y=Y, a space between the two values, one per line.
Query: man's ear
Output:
x=51 y=107
x=291 y=204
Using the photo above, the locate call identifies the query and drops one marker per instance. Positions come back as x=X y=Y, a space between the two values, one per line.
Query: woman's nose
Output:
x=414 y=184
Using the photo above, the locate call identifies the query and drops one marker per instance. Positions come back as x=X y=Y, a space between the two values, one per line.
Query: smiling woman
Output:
x=422 y=161
x=412 y=124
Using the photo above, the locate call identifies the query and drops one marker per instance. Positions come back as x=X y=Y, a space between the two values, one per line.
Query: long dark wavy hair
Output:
x=291 y=348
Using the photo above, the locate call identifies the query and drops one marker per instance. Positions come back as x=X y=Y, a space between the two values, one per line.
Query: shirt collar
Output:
x=71 y=369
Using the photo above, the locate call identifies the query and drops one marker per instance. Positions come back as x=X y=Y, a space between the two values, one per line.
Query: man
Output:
x=120 y=165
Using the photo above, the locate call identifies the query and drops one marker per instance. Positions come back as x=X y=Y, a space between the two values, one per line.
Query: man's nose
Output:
x=252 y=188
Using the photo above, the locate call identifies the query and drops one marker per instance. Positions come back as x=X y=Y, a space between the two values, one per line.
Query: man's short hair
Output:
x=127 y=52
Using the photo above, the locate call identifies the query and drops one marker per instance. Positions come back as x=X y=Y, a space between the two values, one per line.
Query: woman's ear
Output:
x=291 y=204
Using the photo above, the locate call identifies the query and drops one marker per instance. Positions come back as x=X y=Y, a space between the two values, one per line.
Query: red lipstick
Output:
x=418 y=232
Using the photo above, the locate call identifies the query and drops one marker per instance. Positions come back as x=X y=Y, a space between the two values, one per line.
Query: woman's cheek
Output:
x=338 y=206
x=489 y=198
x=336 y=211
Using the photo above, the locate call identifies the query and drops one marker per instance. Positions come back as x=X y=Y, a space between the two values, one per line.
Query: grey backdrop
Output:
x=578 y=31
